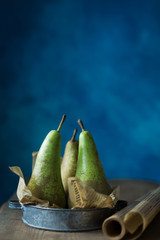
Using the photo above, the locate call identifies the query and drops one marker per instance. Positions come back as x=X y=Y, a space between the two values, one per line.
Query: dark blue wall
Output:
x=94 y=60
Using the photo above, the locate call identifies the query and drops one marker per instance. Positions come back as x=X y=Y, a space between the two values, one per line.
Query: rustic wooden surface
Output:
x=12 y=227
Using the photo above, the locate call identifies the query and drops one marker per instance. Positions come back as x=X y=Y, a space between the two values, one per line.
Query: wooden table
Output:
x=12 y=227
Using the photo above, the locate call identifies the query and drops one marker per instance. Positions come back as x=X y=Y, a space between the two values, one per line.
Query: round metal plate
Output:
x=67 y=219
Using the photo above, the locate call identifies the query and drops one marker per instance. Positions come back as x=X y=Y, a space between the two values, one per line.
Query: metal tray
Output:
x=69 y=220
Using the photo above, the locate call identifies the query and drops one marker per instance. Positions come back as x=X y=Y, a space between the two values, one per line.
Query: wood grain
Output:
x=12 y=227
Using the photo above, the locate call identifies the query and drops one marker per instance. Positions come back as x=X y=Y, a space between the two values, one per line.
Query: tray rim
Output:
x=65 y=209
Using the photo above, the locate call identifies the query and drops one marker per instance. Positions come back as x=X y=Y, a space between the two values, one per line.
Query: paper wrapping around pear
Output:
x=80 y=196
x=84 y=196
x=25 y=196
x=34 y=156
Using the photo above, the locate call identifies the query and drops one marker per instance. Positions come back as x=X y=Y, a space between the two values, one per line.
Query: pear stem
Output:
x=81 y=124
x=60 y=125
x=74 y=134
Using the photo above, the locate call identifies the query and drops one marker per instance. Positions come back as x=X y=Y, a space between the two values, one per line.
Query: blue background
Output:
x=94 y=60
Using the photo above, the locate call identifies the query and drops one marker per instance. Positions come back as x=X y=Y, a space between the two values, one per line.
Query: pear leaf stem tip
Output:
x=74 y=134
x=81 y=124
x=60 y=125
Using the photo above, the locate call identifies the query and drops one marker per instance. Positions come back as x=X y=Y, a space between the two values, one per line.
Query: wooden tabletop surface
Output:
x=12 y=227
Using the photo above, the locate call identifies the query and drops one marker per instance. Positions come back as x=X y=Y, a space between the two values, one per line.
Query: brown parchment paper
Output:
x=24 y=194
x=80 y=195
x=83 y=196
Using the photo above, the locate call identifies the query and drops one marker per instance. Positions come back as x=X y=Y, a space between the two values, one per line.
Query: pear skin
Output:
x=89 y=167
x=69 y=161
x=45 y=182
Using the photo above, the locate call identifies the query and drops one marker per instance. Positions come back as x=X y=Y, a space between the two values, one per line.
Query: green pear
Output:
x=69 y=161
x=89 y=167
x=45 y=182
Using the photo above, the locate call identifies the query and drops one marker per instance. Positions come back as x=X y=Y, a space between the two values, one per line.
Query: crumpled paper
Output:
x=24 y=194
x=80 y=195
x=83 y=196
